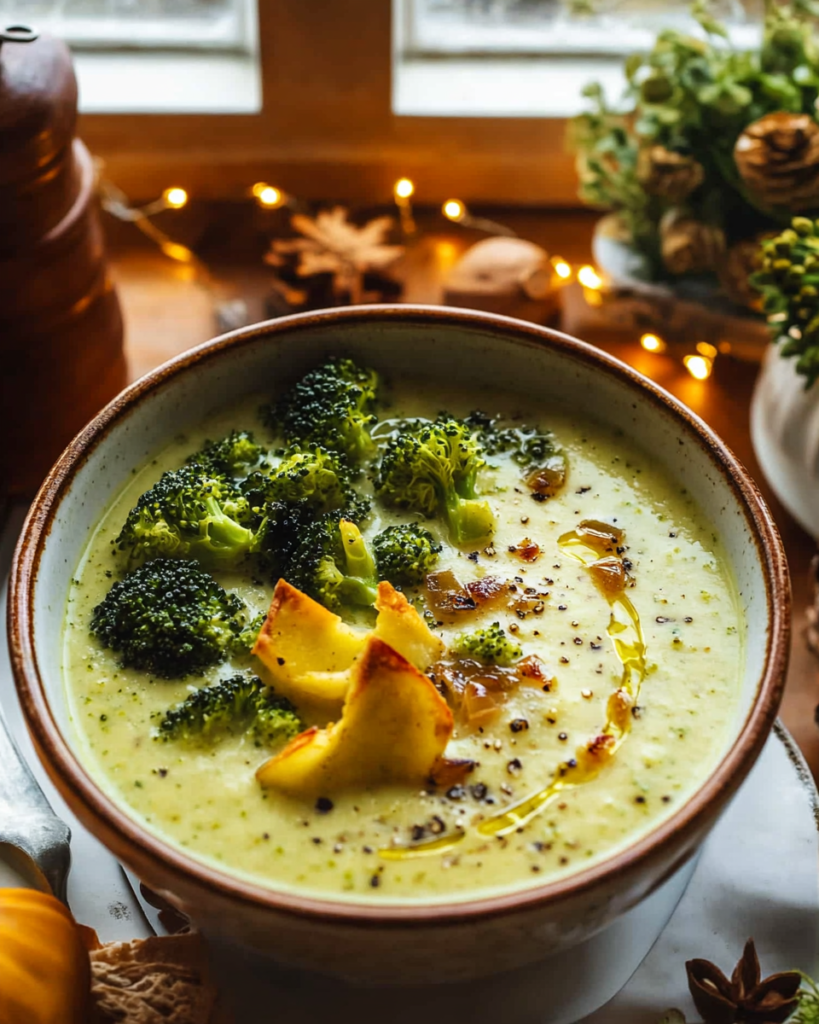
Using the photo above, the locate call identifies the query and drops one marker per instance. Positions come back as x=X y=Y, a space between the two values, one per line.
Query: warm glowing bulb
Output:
x=269 y=197
x=403 y=188
x=454 y=209
x=698 y=366
x=180 y=253
x=704 y=349
x=589 y=277
x=562 y=268
x=175 y=198
x=651 y=343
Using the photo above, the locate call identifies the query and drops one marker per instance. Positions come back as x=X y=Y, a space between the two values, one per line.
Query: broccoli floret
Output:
x=315 y=475
x=491 y=646
x=543 y=462
x=432 y=467
x=333 y=564
x=240 y=704
x=233 y=455
x=527 y=445
x=279 y=533
x=242 y=643
x=333 y=406
x=169 y=618
x=188 y=513
x=405 y=554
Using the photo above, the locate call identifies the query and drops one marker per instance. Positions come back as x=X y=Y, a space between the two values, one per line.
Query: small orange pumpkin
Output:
x=45 y=975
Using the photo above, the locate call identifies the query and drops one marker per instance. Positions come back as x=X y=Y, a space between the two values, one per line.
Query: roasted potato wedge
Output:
x=394 y=727
x=306 y=648
x=401 y=627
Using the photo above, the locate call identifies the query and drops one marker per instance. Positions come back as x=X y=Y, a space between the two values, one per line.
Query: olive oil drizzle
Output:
x=626 y=634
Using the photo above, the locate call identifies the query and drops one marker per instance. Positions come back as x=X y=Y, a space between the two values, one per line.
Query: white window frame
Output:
x=233 y=33
x=604 y=35
x=327 y=128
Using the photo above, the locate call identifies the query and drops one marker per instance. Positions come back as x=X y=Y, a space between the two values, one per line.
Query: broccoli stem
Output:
x=356 y=591
x=224 y=534
x=360 y=561
x=359 y=582
x=469 y=520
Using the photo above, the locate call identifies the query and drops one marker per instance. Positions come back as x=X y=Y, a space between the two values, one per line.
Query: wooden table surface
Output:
x=167 y=310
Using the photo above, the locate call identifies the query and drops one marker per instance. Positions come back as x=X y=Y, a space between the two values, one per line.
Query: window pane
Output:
x=551 y=26
x=153 y=23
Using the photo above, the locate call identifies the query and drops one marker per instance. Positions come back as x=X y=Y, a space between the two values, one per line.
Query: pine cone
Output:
x=778 y=159
x=662 y=172
x=689 y=246
x=742 y=259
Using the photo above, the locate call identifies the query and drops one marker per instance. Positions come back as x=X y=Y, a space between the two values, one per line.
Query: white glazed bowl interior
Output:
x=555 y=379
x=542 y=367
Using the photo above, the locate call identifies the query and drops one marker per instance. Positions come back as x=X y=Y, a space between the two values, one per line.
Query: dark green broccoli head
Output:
x=234 y=455
x=332 y=406
x=405 y=555
x=527 y=445
x=234 y=706
x=169 y=618
x=242 y=643
x=312 y=474
x=537 y=453
x=432 y=467
x=491 y=646
x=280 y=531
x=188 y=513
x=333 y=564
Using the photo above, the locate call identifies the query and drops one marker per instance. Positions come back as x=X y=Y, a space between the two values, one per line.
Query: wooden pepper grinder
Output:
x=61 y=355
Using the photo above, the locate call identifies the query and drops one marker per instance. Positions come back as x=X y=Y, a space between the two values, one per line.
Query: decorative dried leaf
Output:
x=331 y=244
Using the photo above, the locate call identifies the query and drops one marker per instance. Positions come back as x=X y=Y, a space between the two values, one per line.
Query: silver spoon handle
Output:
x=27 y=820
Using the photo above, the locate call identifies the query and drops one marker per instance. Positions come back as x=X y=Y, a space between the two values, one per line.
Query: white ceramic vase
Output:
x=785 y=435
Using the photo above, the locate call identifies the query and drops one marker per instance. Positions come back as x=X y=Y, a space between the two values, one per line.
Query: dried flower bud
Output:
x=689 y=245
x=778 y=159
x=662 y=172
x=788 y=280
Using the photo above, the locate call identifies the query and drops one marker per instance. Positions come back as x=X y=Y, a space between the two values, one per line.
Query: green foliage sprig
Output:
x=693 y=96
x=788 y=281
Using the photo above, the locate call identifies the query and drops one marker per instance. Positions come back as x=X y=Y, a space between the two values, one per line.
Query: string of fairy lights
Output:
x=699 y=363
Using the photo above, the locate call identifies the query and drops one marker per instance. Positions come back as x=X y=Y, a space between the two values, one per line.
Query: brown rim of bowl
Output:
x=65 y=768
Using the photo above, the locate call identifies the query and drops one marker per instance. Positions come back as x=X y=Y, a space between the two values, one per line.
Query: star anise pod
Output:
x=745 y=998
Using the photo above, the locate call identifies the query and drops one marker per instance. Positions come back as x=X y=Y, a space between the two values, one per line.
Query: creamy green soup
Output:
x=528 y=812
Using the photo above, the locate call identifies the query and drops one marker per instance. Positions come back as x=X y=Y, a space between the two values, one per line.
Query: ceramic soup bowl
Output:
x=609 y=912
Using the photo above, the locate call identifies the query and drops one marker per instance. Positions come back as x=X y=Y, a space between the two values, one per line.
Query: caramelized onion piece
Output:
x=450 y=771
x=526 y=550
x=479 y=705
x=597 y=751
x=547 y=479
x=610 y=575
x=602 y=537
x=448 y=598
x=619 y=708
x=487 y=591
x=533 y=672
x=447 y=595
